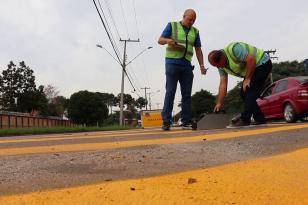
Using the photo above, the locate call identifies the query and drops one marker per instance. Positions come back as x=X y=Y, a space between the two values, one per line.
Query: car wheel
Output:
x=289 y=113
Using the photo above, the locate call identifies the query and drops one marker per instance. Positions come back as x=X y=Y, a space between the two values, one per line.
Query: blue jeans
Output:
x=184 y=75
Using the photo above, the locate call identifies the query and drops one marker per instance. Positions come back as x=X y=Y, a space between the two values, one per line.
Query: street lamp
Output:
x=100 y=46
x=139 y=54
x=123 y=65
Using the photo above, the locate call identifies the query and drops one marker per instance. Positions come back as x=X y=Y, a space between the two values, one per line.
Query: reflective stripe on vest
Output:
x=237 y=67
x=186 y=42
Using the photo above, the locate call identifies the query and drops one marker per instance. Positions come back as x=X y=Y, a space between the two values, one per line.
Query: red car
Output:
x=286 y=98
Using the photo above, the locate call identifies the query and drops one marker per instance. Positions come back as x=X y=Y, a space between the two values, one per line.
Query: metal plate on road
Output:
x=213 y=121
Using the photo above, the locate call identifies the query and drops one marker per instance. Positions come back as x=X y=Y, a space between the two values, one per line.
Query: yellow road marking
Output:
x=281 y=179
x=94 y=133
x=122 y=144
x=91 y=136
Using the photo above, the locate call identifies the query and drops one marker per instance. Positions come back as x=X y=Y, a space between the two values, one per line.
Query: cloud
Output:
x=57 y=38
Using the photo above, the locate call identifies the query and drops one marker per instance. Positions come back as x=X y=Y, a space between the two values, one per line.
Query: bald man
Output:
x=181 y=39
x=247 y=62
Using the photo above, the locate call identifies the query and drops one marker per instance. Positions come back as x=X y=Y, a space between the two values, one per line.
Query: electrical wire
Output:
x=138 y=85
x=111 y=16
x=112 y=42
x=108 y=34
x=109 y=30
x=146 y=79
x=137 y=29
x=123 y=14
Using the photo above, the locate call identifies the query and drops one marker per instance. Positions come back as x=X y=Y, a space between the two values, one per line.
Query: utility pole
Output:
x=118 y=60
x=269 y=52
x=150 y=93
x=122 y=83
x=145 y=94
x=150 y=104
x=158 y=105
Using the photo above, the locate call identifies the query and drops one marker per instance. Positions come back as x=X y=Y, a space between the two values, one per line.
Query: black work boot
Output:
x=258 y=122
x=166 y=126
x=239 y=123
x=189 y=126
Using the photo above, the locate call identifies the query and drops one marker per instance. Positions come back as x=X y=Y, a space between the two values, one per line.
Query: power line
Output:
x=109 y=30
x=146 y=79
x=133 y=75
x=124 y=18
x=114 y=24
x=136 y=79
x=134 y=7
x=112 y=19
x=100 y=46
x=113 y=43
x=108 y=34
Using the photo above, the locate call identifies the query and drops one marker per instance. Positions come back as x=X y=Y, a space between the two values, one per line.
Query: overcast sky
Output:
x=57 y=38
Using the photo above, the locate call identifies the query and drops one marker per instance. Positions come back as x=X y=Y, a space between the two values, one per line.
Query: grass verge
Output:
x=53 y=130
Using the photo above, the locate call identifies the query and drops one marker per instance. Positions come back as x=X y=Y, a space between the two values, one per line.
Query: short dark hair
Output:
x=215 y=56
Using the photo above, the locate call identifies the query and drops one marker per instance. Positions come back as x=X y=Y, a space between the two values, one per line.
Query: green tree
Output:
x=33 y=100
x=87 y=108
x=58 y=106
x=202 y=102
x=288 y=69
x=140 y=102
x=108 y=99
x=15 y=81
x=113 y=119
x=128 y=100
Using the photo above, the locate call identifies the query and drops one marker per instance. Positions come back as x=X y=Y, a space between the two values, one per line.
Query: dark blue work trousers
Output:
x=251 y=108
x=184 y=75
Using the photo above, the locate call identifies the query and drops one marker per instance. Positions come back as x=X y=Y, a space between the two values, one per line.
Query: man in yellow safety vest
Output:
x=248 y=62
x=180 y=38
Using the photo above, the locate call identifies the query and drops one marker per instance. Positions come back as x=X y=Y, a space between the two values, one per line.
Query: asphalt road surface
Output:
x=261 y=165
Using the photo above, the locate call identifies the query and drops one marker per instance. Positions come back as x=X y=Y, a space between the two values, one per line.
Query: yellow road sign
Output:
x=151 y=118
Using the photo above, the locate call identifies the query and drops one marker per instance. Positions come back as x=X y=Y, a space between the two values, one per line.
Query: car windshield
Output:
x=302 y=79
x=268 y=91
x=281 y=86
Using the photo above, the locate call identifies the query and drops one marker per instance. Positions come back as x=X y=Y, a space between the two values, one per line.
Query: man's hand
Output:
x=171 y=42
x=164 y=41
x=246 y=84
x=203 y=70
x=217 y=107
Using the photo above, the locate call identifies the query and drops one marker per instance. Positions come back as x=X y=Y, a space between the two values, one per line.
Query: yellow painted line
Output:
x=281 y=179
x=122 y=144
x=91 y=136
x=65 y=135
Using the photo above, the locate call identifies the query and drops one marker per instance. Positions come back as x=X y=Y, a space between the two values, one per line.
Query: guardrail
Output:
x=25 y=120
